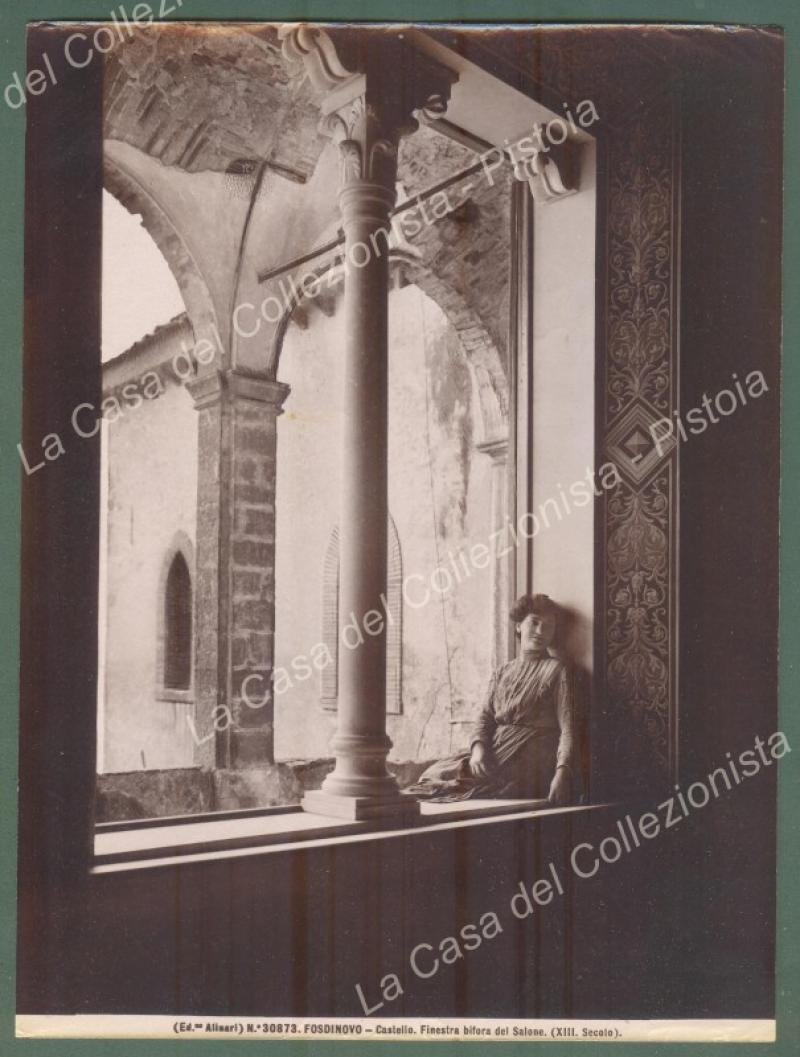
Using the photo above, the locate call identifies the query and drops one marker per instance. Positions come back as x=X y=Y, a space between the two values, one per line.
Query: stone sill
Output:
x=125 y=847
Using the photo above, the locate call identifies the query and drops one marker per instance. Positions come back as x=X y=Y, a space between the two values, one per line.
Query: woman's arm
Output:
x=566 y=753
x=483 y=732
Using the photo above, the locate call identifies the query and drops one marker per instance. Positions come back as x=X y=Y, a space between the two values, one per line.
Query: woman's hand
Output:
x=477 y=761
x=559 y=787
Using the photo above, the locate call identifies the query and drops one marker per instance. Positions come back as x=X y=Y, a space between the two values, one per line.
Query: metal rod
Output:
x=297 y=261
x=423 y=196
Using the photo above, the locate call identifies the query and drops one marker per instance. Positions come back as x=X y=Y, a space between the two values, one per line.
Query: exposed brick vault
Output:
x=201 y=97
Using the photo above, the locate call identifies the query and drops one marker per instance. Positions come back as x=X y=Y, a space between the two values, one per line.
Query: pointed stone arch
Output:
x=131 y=192
x=481 y=352
x=485 y=359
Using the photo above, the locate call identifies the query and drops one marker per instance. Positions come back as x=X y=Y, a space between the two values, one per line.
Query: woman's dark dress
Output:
x=527 y=728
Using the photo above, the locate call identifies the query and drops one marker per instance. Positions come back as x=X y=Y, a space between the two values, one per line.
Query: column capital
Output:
x=211 y=388
x=372 y=83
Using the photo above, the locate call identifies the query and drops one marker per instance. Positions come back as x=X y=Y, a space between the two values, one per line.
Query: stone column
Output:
x=235 y=578
x=366 y=112
x=497 y=450
x=360 y=785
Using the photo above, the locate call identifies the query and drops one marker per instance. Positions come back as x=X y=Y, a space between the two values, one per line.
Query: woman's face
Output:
x=536 y=631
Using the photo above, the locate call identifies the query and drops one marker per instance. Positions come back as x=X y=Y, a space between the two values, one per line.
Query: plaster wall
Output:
x=151 y=464
x=563 y=406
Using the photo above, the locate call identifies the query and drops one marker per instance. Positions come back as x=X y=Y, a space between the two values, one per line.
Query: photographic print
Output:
x=400 y=468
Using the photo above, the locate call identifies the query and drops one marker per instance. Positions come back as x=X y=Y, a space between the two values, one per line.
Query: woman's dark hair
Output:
x=527 y=604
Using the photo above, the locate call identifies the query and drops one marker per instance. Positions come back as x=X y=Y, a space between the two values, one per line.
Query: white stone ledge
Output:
x=181 y=842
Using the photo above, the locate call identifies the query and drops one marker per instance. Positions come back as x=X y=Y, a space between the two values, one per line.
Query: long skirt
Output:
x=524 y=773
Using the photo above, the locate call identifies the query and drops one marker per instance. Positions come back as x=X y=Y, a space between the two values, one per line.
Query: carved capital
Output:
x=551 y=170
x=367 y=142
x=373 y=84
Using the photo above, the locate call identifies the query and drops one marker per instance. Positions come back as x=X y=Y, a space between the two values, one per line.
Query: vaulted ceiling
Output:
x=199 y=100
x=204 y=97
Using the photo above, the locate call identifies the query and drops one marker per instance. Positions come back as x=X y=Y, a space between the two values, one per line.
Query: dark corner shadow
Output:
x=573 y=639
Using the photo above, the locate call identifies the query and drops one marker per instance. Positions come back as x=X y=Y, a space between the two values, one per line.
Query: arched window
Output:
x=329 y=675
x=176 y=635
x=178 y=626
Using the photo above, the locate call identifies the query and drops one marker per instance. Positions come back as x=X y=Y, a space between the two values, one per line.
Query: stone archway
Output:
x=481 y=353
x=139 y=201
x=480 y=350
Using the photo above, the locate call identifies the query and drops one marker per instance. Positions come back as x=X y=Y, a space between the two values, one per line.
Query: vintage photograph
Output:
x=400 y=466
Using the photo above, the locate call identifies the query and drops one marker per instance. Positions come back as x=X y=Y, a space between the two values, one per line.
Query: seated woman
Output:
x=524 y=742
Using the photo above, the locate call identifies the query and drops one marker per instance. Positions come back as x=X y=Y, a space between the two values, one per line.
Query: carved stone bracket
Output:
x=551 y=171
x=313 y=48
x=371 y=93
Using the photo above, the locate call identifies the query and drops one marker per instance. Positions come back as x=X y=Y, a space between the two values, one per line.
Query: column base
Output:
x=401 y=807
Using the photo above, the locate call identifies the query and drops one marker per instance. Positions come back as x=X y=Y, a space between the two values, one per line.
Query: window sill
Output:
x=134 y=847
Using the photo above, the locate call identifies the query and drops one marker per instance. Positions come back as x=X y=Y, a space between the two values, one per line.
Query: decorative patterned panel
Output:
x=640 y=388
x=638 y=608
x=634 y=444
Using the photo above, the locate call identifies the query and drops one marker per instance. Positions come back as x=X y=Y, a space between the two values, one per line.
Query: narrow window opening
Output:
x=178 y=626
